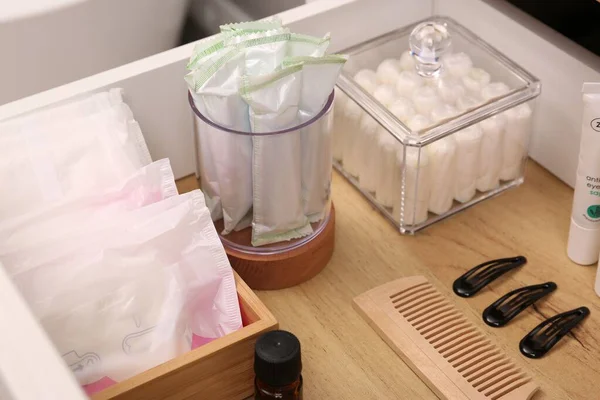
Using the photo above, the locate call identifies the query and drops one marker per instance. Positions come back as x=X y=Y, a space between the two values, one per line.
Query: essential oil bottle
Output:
x=278 y=367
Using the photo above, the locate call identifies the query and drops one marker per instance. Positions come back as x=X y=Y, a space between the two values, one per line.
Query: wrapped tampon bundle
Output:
x=251 y=85
x=319 y=75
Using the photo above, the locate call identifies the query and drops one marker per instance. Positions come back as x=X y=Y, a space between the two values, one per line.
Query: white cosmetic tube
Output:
x=584 y=233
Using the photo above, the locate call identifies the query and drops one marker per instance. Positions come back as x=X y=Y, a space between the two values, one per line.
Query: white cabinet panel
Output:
x=155 y=89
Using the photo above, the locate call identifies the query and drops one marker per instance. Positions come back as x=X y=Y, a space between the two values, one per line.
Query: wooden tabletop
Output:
x=343 y=357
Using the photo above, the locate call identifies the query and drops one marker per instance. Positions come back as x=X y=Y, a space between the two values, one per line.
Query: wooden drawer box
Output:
x=221 y=369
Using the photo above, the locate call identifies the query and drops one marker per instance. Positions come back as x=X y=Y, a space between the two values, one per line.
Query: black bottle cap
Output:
x=277 y=360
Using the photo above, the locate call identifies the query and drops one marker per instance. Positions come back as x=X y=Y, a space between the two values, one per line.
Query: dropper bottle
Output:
x=278 y=367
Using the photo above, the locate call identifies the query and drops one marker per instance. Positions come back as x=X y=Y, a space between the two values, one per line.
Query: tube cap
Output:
x=584 y=244
x=277 y=360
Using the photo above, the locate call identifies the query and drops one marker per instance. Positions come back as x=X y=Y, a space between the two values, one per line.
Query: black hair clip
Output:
x=500 y=312
x=477 y=278
x=544 y=336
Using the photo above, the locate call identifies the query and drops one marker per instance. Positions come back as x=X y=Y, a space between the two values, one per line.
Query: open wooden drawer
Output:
x=154 y=88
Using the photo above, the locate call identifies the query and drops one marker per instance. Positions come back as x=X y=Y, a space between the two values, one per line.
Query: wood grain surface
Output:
x=344 y=358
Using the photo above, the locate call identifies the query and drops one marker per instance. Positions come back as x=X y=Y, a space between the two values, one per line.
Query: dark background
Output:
x=579 y=20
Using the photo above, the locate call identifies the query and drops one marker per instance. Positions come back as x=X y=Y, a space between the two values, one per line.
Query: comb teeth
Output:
x=451 y=334
x=435 y=327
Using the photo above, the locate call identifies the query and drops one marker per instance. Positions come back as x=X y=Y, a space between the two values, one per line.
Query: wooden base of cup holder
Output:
x=288 y=268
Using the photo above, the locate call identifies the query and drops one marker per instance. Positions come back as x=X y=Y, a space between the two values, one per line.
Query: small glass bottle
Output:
x=278 y=367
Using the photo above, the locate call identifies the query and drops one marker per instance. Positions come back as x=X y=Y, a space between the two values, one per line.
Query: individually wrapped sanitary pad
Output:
x=339 y=124
x=307 y=46
x=129 y=297
x=274 y=101
x=320 y=75
x=73 y=109
x=226 y=158
x=148 y=185
x=60 y=159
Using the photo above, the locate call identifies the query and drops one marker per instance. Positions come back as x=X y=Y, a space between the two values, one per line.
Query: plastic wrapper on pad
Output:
x=20 y=235
x=63 y=158
x=137 y=293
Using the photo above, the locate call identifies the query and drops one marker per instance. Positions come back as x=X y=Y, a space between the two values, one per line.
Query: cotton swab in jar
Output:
x=442 y=166
x=516 y=134
x=367 y=79
x=407 y=61
x=492 y=145
x=408 y=82
x=457 y=64
x=369 y=141
x=518 y=129
x=468 y=147
x=411 y=204
x=389 y=180
x=389 y=71
x=449 y=90
x=475 y=80
x=425 y=99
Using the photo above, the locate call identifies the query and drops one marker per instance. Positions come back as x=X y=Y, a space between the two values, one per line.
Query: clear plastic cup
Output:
x=268 y=192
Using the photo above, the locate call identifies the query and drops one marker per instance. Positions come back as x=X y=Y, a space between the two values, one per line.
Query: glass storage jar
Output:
x=431 y=120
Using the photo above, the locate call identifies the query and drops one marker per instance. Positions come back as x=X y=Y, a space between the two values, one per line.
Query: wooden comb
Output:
x=440 y=345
